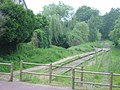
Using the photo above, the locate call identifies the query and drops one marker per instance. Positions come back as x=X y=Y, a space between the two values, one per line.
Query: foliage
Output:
x=42 y=32
x=58 y=16
x=2 y=22
x=41 y=22
x=115 y=34
x=78 y=35
x=18 y=27
x=84 y=13
x=43 y=41
x=55 y=29
x=89 y=46
x=95 y=23
x=62 y=10
x=29 y=53
x=115 y=60
x=109 y=21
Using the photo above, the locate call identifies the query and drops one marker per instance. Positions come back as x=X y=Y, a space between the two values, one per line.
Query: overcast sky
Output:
x=102 y=5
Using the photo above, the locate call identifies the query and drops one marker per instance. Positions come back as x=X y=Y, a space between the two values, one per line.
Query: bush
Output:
x=18 y=27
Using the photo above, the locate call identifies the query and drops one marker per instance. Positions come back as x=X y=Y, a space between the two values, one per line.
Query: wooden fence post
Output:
x=111 y=80
x=11 y=72
x=73 y=78
x=50 y=73
x=21 y=68
x=81 y=79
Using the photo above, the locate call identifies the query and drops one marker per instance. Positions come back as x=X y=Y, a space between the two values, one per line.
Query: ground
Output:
x=25 y=86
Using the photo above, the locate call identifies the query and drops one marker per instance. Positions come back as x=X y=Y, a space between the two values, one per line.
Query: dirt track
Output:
x=25 y=86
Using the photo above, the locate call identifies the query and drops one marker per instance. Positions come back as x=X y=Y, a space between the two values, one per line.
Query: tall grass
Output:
x=106 y=62
x=88 y=46
x=29 y=53
x=114 y=65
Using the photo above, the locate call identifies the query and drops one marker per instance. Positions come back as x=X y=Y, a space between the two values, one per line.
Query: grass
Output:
x=86 y=47
x=36 y=55
x=115 y=60
x=101 y=63
x=28 y=53
x=107 y=62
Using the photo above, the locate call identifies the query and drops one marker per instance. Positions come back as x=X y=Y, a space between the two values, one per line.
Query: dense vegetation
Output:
x=29 y=53
x=17 y=25
x=57 y=25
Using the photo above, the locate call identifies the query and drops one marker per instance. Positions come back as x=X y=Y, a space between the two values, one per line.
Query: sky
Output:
x=102 y=5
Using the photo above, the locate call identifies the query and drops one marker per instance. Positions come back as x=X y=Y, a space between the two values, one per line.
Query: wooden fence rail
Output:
x=73 y=77
x=92 y=83
x=11 y=70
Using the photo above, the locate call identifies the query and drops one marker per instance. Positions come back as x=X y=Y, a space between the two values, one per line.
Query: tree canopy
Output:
x=115 y=33
x=61 y=10
x=78 y=35
x=109 y=22
x=19 y=25
x=95 y=24
x=84 y=13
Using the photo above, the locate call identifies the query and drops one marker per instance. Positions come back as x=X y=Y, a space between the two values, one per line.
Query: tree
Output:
x=84 y=13
x=62 y=10
x=2 y=22
x=41 y=21
x=41 y=34
x=95 y=23
x=58 y=16
x=109 y=22
x=115 y=33
x=19 y=26
x=78 y=35
x=55 y=29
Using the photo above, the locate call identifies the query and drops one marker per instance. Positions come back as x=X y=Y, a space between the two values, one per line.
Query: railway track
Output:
x=74 y=63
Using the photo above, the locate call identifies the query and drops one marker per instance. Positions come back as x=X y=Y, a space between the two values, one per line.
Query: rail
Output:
x=73 y=77
x=11 y=70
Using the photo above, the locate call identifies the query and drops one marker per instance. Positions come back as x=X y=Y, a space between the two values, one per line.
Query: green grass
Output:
x=115 y=60
x=86 y=47
x=27 y=52
x=107 y=62
x=101 y=63
x=36 y=55
x=111 y=60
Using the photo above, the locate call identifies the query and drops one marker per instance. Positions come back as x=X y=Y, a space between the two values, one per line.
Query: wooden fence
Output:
x=81 y=81
x=11 y=70
x=44 y=74
x=73 y=77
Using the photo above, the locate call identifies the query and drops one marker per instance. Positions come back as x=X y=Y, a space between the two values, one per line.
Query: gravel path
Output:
x=26 y=86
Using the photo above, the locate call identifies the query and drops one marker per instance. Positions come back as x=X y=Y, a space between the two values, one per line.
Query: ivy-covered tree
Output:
x=41 y=34
x=19 y=25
